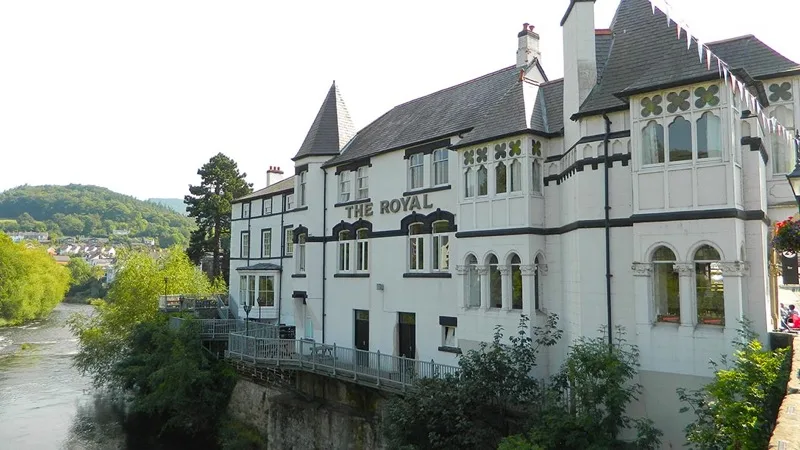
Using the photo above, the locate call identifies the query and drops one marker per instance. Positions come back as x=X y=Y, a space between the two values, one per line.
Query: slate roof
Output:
x=645 y=54
x=331 y=129
x=261 y=266
x=287 y=184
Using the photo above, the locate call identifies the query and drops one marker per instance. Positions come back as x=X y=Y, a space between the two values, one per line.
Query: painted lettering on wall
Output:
x=395 y=205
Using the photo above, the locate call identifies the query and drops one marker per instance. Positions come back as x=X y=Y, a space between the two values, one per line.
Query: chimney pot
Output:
x=525 y=26
x=527 y=46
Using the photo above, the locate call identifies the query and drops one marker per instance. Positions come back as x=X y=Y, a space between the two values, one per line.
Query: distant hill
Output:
x=175 y=204
x=83 y=210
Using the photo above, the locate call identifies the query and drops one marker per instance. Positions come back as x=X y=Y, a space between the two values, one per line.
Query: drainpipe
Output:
x=607 y=223
x=283 y=252
x=324 y=244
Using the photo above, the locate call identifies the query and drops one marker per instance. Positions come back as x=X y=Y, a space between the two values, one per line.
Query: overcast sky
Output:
x=136 y=96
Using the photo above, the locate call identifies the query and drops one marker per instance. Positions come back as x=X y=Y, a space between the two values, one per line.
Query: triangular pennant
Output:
x=708 y=59
x=741 y=90
x=653 y=5
x=688 y=38
x=667 y=13
x=700 y=50
x=719 y=68
x=733 y=84
x=725 y=73
x=678 y=27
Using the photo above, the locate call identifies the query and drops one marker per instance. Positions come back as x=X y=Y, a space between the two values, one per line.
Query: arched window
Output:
x=616 y=148
x=516 y=176
x=666 y=292
x=516 y=281
x=469 y=183
x=483 y=181
x=537 y=282
x=680 y=140
x=536 y=176
x=500 y=186
x=709 y=136
x=495 y=283
x=301 y=253
x=441 y=246
x=709 y=286
x=362 y=250
x=344 y=251
x=783 y=151
x=473 y=282
x=416 y=248
x=653 y=143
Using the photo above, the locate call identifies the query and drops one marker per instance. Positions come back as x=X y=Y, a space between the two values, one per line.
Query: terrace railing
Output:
x=180 y=302
x=376 y=369
x=219 y=329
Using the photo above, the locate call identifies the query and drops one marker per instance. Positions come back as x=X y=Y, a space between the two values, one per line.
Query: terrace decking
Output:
x=259 y=345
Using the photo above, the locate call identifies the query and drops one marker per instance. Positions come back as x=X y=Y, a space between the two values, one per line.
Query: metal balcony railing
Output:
x=219 y=329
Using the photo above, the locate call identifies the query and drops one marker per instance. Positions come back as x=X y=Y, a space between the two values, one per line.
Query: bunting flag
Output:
x=771 y=124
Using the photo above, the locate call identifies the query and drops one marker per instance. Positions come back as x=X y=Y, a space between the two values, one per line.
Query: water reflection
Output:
x=97 y=425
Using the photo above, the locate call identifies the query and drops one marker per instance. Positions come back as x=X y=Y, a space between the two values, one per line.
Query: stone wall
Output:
x=786 y=435
x=303 y=411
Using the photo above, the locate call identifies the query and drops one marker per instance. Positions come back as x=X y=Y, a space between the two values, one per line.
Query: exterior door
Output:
x=362 y=337
x=789 y=269
x=407 y=335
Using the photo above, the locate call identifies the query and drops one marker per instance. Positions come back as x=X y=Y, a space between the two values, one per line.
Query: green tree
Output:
x=210 y=205
x=80 y=270
x=131 y=299
x=494 y=396
x=738 y=409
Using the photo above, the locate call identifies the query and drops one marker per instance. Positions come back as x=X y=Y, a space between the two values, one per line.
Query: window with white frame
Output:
x=362 y=183
x=301 y=188
x=495 y=283
x=289 y=202
x=709 y=286
x=344 y=186
x=344 y=252
x=449 y=336
x=416 y=248
x=516 y=281
x=268 y=206
x=783 y=153
x=681 y=125
x=469 y=183
x=245 y=210
x=500 y=179
x=288 y=241
x=538 y=287
x=266 y=243
x=515 y=179
x=301 y=253
x=536 y=177
x=266 y=290
x=416 y=171
x=472 y=282
x=440 y=167
x=243 y=289
x=441 y=246
x=666 y=289
x=245 y=245
x=482 y=181
x=362 y=250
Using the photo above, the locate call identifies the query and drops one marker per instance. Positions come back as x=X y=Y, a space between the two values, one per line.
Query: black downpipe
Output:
x=607 y=223
x=283 y=254
x=324 y=244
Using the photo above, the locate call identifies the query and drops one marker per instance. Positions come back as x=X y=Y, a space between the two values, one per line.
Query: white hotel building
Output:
x=638 y=190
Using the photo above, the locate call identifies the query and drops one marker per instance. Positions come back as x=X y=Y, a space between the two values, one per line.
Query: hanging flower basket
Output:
x=787 y=236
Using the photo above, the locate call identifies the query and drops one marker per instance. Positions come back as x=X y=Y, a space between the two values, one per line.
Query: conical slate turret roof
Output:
x=331 y=130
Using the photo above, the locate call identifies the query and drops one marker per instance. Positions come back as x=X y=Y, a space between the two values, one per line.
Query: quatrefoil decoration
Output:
x=652 y=106
x=469 y=157
x=482 y=155
x=780 y=92
x=678 y=101
x=536 y=148
x=706 y=96
x=499 y=151
x=515 y=148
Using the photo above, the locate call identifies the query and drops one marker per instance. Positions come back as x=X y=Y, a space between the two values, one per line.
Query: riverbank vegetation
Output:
x=86 y=283
x=174 y=390
x=739 y=408
x=31 y=282
x=495 y=402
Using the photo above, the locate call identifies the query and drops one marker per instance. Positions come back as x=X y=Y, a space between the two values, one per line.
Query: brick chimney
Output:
x=528 y=46
x=274 y=174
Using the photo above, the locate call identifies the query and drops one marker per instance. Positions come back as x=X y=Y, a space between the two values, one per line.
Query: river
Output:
x=45 y=403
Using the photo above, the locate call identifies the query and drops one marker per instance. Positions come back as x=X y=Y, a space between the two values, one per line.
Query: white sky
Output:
x=136 y=96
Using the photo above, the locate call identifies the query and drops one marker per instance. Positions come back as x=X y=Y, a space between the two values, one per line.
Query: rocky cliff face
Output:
x=310 y=412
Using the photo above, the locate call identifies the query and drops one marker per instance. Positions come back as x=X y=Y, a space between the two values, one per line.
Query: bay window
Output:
x=469 y=183
x=783 y=150
x=516 y=176
x=709 y=136
x=483 y=180
x=653 y=143
x=500 y=179
x=266 y=291
x=680 y=140
x=536 y=176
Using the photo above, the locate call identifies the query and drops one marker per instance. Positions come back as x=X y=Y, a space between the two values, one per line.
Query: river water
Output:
x=45 y=403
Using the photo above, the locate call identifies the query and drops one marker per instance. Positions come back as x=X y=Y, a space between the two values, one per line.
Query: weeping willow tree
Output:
x=31 y=282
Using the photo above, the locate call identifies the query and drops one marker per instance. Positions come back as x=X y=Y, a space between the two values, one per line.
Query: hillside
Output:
x=81 y=210
x=175 y=204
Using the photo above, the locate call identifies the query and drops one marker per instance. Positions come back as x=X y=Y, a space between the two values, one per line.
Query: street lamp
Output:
x=247 y=307
x=794 y=177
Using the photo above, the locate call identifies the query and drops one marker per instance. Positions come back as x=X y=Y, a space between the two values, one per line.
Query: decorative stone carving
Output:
x=775 y=270
x=542 y=268
x=483 y=270
x=734 y=268
x=684 y=269
x=527 y=269
x=504 y=270
x=642 y=269
x=462 y=270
